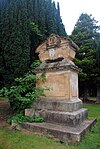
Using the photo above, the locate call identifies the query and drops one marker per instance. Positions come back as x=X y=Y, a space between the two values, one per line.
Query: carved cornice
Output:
x=56 y=66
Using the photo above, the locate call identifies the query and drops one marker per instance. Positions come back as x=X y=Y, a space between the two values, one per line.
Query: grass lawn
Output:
x=19 y=140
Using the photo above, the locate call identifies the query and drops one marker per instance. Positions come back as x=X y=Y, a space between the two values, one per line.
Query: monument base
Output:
x=58 y=105
x=64 y=134
x=65 y=120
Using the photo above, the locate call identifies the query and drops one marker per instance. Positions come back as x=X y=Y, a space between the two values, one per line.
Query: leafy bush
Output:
x=35 y=64
x=19 y=118
x=24 y=92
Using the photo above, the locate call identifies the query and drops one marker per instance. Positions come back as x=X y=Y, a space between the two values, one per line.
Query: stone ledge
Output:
x=64 y=118
x=62 y=133
x=56 y=66
x=55 y=105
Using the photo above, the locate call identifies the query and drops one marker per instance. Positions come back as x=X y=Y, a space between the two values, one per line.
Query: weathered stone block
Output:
x=65 y=134
x=60 y=105
x=64 y=118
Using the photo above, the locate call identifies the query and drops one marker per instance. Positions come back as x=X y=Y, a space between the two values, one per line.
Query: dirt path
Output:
x=4 y=112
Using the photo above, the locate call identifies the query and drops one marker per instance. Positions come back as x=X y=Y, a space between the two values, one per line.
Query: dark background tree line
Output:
x=24 y=24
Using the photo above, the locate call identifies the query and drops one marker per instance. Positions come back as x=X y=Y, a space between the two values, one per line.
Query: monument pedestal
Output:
x=65 y=118
x=64 y=134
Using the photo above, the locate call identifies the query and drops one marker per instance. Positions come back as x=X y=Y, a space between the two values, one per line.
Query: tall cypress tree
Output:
x=18 y=40
x=16 y=44
x=42 y=18
x=60 y=25
x=85 y=35
x=49 y=24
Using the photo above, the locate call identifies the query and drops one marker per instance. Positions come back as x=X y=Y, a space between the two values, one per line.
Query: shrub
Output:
x=24 y=92
x=19 y=118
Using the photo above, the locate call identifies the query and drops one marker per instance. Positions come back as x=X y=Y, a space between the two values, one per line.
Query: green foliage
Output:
x=35 y=64
x=15 y=42
x=24 y=92
x=43 y=76
x=83 y=76
x=19 y=118
x=87 y=37
x=4 y=92
x=35 y=28
x=24 y=24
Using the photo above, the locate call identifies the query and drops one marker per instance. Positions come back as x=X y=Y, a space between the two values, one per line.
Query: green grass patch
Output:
x=92 y=138
x=19 y=140
x=93 y=110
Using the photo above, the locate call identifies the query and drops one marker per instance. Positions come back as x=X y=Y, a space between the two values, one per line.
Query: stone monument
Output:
x=65 y=118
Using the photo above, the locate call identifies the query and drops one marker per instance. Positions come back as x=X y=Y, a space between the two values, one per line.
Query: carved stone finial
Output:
x=53 y=41
x=56 y=47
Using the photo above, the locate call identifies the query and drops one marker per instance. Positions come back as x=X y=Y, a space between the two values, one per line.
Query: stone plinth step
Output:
x=55 y=105
x=63 y=118
x=62 y=133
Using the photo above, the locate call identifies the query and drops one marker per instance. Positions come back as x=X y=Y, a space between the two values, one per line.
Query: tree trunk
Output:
x=85 y=95
x=98 y=95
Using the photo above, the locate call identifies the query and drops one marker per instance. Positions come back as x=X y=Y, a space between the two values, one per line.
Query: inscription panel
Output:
x=58 y=86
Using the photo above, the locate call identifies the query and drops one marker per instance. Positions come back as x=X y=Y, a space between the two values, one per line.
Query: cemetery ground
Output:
x=13 y=139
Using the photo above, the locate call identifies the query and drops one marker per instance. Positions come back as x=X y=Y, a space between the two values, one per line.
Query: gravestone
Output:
x=65 y=118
